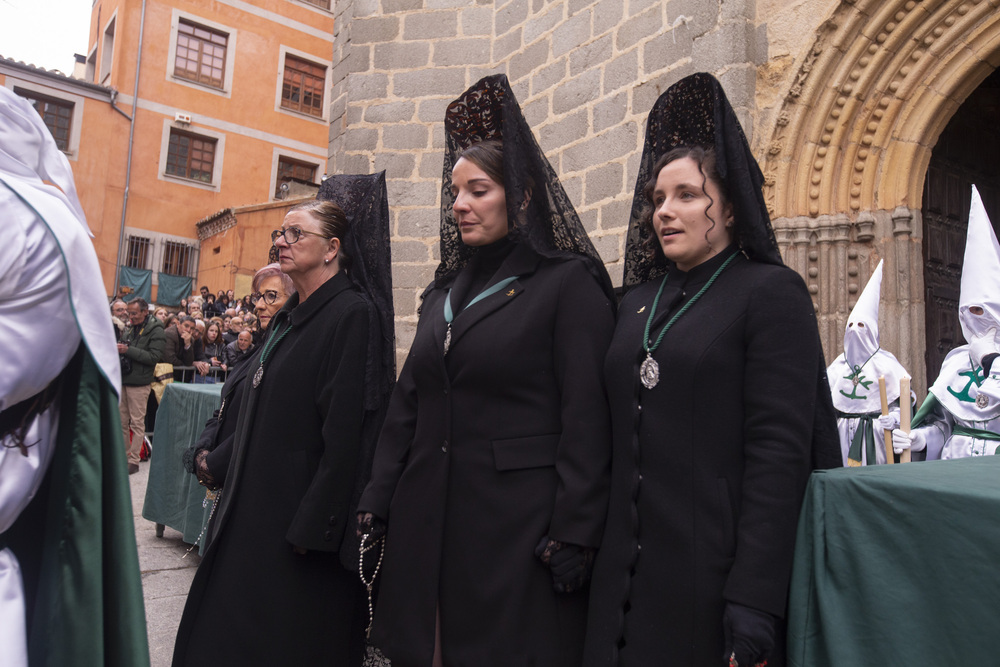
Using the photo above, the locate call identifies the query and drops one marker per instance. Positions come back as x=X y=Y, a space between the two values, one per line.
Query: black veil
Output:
x=695 y=112
x=363 y=198
x=549 y=224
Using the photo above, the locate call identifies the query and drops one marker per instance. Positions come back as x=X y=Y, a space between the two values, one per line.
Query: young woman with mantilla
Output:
x=716 y=383
x=492 y=470
x=278 y=584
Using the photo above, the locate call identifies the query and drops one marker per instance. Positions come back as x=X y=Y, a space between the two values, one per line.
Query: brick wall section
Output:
x=586 y=73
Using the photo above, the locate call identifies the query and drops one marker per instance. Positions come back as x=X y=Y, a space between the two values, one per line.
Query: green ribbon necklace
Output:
x=649 y=371
x=449 y=315
x=269 y=347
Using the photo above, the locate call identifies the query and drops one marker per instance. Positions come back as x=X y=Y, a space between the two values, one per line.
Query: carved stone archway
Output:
x=845 y=164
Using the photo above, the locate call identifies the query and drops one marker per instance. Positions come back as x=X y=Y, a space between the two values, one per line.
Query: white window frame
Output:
x=220 y=149
x=279 y=153
x=76 y=125
x=309 y=5
x=108 y=53
x=176 y=17
x=327 y=84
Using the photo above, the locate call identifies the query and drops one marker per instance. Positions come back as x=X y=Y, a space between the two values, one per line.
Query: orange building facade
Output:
x=221 y=103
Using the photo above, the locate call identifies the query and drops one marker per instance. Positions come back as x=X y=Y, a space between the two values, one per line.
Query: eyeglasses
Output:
x=292 y=234
x=269 y=296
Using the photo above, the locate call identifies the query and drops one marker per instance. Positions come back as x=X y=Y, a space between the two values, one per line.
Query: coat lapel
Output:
x=522 y=262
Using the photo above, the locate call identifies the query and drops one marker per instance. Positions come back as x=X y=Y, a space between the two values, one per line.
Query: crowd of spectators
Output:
x=203 y=338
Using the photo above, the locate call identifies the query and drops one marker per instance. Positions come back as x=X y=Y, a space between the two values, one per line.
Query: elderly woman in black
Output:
x=210 y=455
x=278 y=584
x=491 y=472
x=719 y=404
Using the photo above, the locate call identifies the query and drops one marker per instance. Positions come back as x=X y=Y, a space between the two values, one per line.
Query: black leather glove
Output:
x=371 y=529
x=749 y=635
x=370 y=525
x=570 y=564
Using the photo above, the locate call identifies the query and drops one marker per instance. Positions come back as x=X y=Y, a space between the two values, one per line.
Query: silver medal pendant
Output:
x=258 y=376
x=447 y=338
x=649 y=372
x=982 y=401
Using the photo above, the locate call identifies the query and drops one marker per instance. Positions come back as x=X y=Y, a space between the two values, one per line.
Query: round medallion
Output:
x=258 y=376
x=649 y=372
x=982 y=401
x=854 y=381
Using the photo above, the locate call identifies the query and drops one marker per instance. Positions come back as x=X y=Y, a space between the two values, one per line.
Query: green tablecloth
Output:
x=897 y=565
x=173 y=496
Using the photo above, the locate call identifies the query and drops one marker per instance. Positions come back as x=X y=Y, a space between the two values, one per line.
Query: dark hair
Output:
x=209 y=298
x=332 y=223
x=171 y=320
x=142 y=303
x=488 y=156
x=705 y=159
x=208 y=327
x=185 y=318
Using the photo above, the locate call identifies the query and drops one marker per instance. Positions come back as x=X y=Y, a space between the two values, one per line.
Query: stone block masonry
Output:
x=586 y=73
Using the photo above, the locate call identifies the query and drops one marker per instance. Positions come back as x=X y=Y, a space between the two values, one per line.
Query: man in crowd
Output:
x=178 y=346
x=140 y=350
x=119 y=317
x=235 y=327
x=238 y=351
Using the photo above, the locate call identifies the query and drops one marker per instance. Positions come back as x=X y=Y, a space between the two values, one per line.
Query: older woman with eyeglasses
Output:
x=209 y=457
x=272 y=588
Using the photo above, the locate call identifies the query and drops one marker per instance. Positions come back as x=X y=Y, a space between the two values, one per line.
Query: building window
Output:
x=57 y=114
x=325 y=4
x=177 y=258
x=138 y=252
x=200 y=54
x=108 y=50
x=190 y=156
x=302 y=88
x=293 y=170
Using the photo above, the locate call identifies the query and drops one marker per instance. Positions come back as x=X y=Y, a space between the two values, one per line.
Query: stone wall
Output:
x=586 y=73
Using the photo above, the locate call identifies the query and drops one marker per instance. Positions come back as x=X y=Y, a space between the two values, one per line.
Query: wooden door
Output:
x=967 y=153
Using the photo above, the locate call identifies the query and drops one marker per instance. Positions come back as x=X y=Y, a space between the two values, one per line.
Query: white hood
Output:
x=980 y=274
x=861 y=333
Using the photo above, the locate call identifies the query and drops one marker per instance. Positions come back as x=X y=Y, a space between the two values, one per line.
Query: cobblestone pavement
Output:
x=166 y=574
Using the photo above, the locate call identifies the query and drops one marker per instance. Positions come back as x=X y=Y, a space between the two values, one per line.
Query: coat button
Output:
x=446 y=391
x=333 y=519
x=444 y=446
x=328 y=535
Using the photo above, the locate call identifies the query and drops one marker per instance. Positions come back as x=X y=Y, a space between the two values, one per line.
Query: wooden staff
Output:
x=904 y=414
x=886 y=433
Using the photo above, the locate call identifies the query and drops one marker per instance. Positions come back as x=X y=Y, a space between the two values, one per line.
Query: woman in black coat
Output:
x=716 y=382
x=209 y=457
x=278 y=584
x=492 y=468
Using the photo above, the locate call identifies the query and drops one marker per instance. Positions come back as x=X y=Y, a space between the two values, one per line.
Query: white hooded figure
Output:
x=854 y=382
x=961 y=415
x=51 y=304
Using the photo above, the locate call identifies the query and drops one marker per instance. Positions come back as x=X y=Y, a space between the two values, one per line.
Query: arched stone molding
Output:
x=844 y=168
x=878 y=86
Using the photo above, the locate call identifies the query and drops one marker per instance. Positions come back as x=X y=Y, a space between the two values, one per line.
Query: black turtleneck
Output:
x=480 y=271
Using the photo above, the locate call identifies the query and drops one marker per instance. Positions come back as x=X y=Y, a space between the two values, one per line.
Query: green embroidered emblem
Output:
x=857 y=378
x=974 y=375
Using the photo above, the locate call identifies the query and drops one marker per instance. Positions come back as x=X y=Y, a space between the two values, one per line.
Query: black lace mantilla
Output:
x=695 y=112
x=548 y=224
x=363 y=198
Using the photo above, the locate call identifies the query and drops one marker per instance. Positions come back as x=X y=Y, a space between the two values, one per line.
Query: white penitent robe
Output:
x=962 y=409
x=862 y=398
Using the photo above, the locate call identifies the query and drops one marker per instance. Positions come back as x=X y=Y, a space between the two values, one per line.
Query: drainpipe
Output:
x=131 y=137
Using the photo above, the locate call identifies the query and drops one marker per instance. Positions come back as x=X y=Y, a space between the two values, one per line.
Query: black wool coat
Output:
x=485 y=451
x=709 y=466
x=253 y=600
